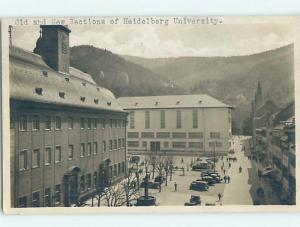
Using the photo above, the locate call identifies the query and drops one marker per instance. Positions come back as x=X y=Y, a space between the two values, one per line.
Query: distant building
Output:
x=179 y=124
x=281 y=150
x=67 y=133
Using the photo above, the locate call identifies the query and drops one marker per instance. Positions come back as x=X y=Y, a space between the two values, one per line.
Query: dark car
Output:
x=194 y=201
x=153 y=185
x=199 y=186
x=210 y=180
x=159 y=179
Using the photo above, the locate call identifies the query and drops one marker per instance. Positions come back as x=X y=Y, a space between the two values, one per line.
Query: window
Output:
x=162 y=119
x=110 y=171
x=57 y=123
x=178 y=135
x=57 y=194
x=123 y=142
x=195 y=145
x=103 y=123
x=89 y=124
x=166 y=144
x=110 y=145
x=35 y=199
x=163 y=135
x=215 y=135
x=95 y=148
x=124 y=123
x=57 y=154
x=115 y=144
x=47 y=197
x=47 y=123
x=147 y=119
x=119 y=143
x=179 y=144
x=89 y=149
x=36 y=158
x=23 y=160
x=132 y=134
x=95 y=123
x=110 y=123
x=82 y=184
x=23 y=123
x=131 y=119
x=89 y=181
x=71 y=123
x=195 y=118
x=115 y=170
x=36 y=122
x=133 y=143
x=119 y=168
x=195 y=135
x=147 y=134
x=71 y=152
x=178 y=118
x=47 y=156
x=116 y=123
x=103 y=146
x=123 y=167
x=215 y=143
x=22 y=202
x=82 y=150
x=95 y=179
x=12 y=122
x=82 y=123
x=219 y=144
x=144 y=144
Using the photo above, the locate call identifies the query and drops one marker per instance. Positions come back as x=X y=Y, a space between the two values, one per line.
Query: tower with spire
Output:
x=258 y=100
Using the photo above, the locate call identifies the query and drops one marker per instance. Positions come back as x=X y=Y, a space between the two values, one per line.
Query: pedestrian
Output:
x=175 y=186
x=228 y=179
x=224 y=171
x=219 y=196
x=229 y=165
x=225 y=179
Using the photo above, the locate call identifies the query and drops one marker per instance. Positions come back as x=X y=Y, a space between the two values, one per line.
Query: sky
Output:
x=157 y=41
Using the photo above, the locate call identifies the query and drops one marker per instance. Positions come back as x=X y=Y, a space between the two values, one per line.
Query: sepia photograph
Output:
x=161 y=112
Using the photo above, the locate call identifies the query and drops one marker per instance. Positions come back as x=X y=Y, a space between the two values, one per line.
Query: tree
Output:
x=114 y=195
x=130 y=186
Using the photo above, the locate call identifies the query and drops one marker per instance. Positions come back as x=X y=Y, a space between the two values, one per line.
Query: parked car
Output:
x=216 y=177
x=194 y=201
x=199 y=186
x=159 y=179
x=210 y=180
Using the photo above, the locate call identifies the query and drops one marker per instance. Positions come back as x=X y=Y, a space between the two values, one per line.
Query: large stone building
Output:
x=180 y=124
x=67 y=133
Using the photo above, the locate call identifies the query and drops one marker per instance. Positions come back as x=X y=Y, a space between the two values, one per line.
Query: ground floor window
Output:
x=22 y=202
x=35 y=199
x=47 y=197
x=57 y=194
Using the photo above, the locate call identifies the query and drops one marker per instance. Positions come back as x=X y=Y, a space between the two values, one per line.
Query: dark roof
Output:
x=170 y=101
x=32 y=80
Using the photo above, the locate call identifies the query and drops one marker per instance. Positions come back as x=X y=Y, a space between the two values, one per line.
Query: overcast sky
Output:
x=172 y=40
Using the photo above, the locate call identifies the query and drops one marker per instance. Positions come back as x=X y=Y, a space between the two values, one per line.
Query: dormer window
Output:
x=82 y=98
x=177 y=103
x=199 y=102
x=39 y=90
x=61 y=94
x=45 y=73
x=109 y=103
x=67 y=79
x=96 y=101
x=135 y=104
x=156 y=103
x=83 y=84
x=98 y=89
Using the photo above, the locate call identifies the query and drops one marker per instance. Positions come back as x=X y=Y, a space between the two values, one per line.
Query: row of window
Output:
x=48 y=197
x=85 y=150
x=163 y=119
x=177 y=144
x=175 y=135
x=85 y=123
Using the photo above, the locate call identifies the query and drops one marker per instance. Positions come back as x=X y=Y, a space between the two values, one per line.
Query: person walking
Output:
x=228 y=179
x=224 y=171
x=225 y=179
x=229 y=165
x=175 y=186
x=219 y=196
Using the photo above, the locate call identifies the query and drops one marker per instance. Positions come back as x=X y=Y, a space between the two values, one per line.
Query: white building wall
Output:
x=209 y=120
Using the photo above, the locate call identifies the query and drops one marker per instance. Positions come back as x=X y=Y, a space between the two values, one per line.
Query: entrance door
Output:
x=154 y=146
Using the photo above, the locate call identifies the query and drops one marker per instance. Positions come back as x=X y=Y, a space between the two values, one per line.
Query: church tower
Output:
x=53 y=46
x=258 y=96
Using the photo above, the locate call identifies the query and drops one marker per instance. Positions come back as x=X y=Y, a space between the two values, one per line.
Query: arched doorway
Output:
x=104 y=174
x=71 y=190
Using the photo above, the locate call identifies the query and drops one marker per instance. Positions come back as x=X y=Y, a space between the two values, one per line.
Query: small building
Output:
x=178 y=124
x=67 y=133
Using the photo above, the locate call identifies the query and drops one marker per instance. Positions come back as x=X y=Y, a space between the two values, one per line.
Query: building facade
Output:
x=68 y=135
x=181 y=124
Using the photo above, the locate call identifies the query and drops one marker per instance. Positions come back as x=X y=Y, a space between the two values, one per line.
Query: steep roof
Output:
x=32 y=80
x=170 y=101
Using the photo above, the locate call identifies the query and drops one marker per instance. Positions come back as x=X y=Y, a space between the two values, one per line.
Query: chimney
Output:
x=53 y=46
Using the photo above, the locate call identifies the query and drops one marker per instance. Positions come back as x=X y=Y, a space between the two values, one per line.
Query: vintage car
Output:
x=199 y=186
x=194 y=201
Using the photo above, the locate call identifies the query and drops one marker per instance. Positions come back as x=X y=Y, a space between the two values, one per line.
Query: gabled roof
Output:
x=32 y=80
x=170 y=101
